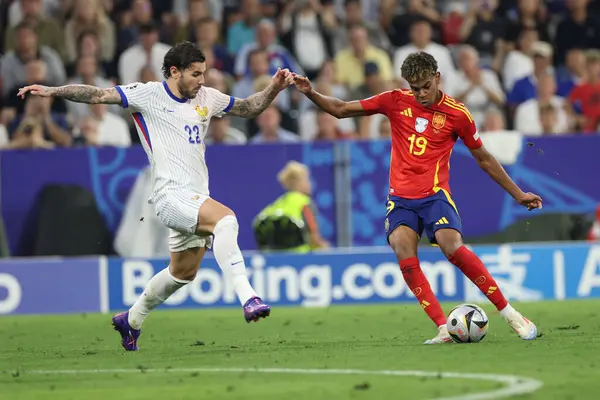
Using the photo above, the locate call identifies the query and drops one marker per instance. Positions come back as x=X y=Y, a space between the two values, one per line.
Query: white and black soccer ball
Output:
x=467 y=323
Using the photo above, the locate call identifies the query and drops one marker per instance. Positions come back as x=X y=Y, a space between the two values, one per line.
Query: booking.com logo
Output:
x=310 y=285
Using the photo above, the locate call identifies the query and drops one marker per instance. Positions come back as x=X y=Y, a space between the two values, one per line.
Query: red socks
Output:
x=418 y=284
x=473 y=268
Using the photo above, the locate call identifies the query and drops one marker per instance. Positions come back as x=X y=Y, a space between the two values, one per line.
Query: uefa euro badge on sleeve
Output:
x=421 y=124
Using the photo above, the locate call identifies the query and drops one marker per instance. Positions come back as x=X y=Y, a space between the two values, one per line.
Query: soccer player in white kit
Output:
x=172 y=119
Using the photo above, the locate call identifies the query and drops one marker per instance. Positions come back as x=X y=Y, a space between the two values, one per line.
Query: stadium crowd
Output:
x=524 y=65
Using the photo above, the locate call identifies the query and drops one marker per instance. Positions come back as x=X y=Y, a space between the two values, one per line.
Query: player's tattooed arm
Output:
x=253 y=105
x=76 y=93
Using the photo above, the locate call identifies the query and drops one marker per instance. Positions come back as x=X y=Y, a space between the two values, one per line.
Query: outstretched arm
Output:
x=77 y=93
x=254 y=104
x=494 y=169
x=331 y=105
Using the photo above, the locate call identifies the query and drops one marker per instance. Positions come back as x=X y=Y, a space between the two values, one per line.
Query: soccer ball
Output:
x=467 y=323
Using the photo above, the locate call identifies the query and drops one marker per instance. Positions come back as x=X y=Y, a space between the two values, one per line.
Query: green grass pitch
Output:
x=373 y=338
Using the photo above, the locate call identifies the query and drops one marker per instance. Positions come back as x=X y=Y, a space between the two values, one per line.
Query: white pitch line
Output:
x=515 y=385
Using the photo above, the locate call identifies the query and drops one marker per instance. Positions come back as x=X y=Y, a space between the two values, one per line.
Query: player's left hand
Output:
x=530 y=200
x=281 y=78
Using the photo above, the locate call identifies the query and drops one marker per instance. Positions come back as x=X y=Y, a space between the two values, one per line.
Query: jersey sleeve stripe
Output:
x=230 y=105
x=460 y=108
x=141 y=123
x=124 y=101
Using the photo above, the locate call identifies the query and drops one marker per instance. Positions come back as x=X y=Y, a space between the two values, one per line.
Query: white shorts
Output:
x=179 y=212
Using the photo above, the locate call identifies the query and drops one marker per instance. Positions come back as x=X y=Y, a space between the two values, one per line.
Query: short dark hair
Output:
x=419 y=66
x=181 y=56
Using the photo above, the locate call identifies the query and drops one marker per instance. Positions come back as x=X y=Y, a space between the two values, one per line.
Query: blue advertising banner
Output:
x=523 y=272
x=530 y=272
x=50 y=286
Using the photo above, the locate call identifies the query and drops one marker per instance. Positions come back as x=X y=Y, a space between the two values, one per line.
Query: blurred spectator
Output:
x=385 y=129
x=207 y=35
x=215 y=8
x=49 y=8
x=4 y=139
x=328 y=128
x=474 y=86
x=519 y=63
x=527 y=116
x=452 y=21
x=39 y=126
x=349 y=63
x=49 y=31
x=88 y=44
x=572 y=73
x=373 y=83
x=485 y=31
x=530 y=14
x=87 y=132
x=354 y=16
x=307 y=30
x=35 y=73
x=279 y=56
x=258 y=65
x=87 y=74
x=420 y=34
x=526 y=88
x=198 y=11
x=89 y=15
x=242 y=32
x=418 y=10
x=585 y=97
x=27 y=48
x=137 y=15
x=578 y=30
x=220 y=131
x=149 y=52
x=270 y=130
x=494 y=122
x=147 y=74
x=548 y=119
x=112 y=128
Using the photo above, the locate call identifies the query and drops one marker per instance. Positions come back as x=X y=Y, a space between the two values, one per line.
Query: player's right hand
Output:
x=531 y=201
x=302 y=83
x=36 y=90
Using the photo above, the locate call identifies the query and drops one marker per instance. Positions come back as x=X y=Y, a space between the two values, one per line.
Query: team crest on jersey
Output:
x=421 y=124
x=202 y=112
x=439 y=120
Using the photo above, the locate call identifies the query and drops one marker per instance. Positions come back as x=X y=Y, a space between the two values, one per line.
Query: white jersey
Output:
x=172 y=132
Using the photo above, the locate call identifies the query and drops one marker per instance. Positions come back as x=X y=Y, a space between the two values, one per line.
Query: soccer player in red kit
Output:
x=425 y=125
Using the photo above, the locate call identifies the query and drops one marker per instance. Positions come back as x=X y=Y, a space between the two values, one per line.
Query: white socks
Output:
x=230 y=260
x=160 y=287
x=229 y=257
x=506 y=311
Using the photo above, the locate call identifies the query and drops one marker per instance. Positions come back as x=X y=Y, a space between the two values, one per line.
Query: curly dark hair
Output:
x=418 y=67
x=181 y=56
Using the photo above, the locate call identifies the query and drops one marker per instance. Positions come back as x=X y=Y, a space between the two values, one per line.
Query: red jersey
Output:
x=587 y=97
x=422 y=140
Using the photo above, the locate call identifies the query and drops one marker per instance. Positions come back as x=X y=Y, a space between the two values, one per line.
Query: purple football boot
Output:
x=129 y=335
x=255 y=308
